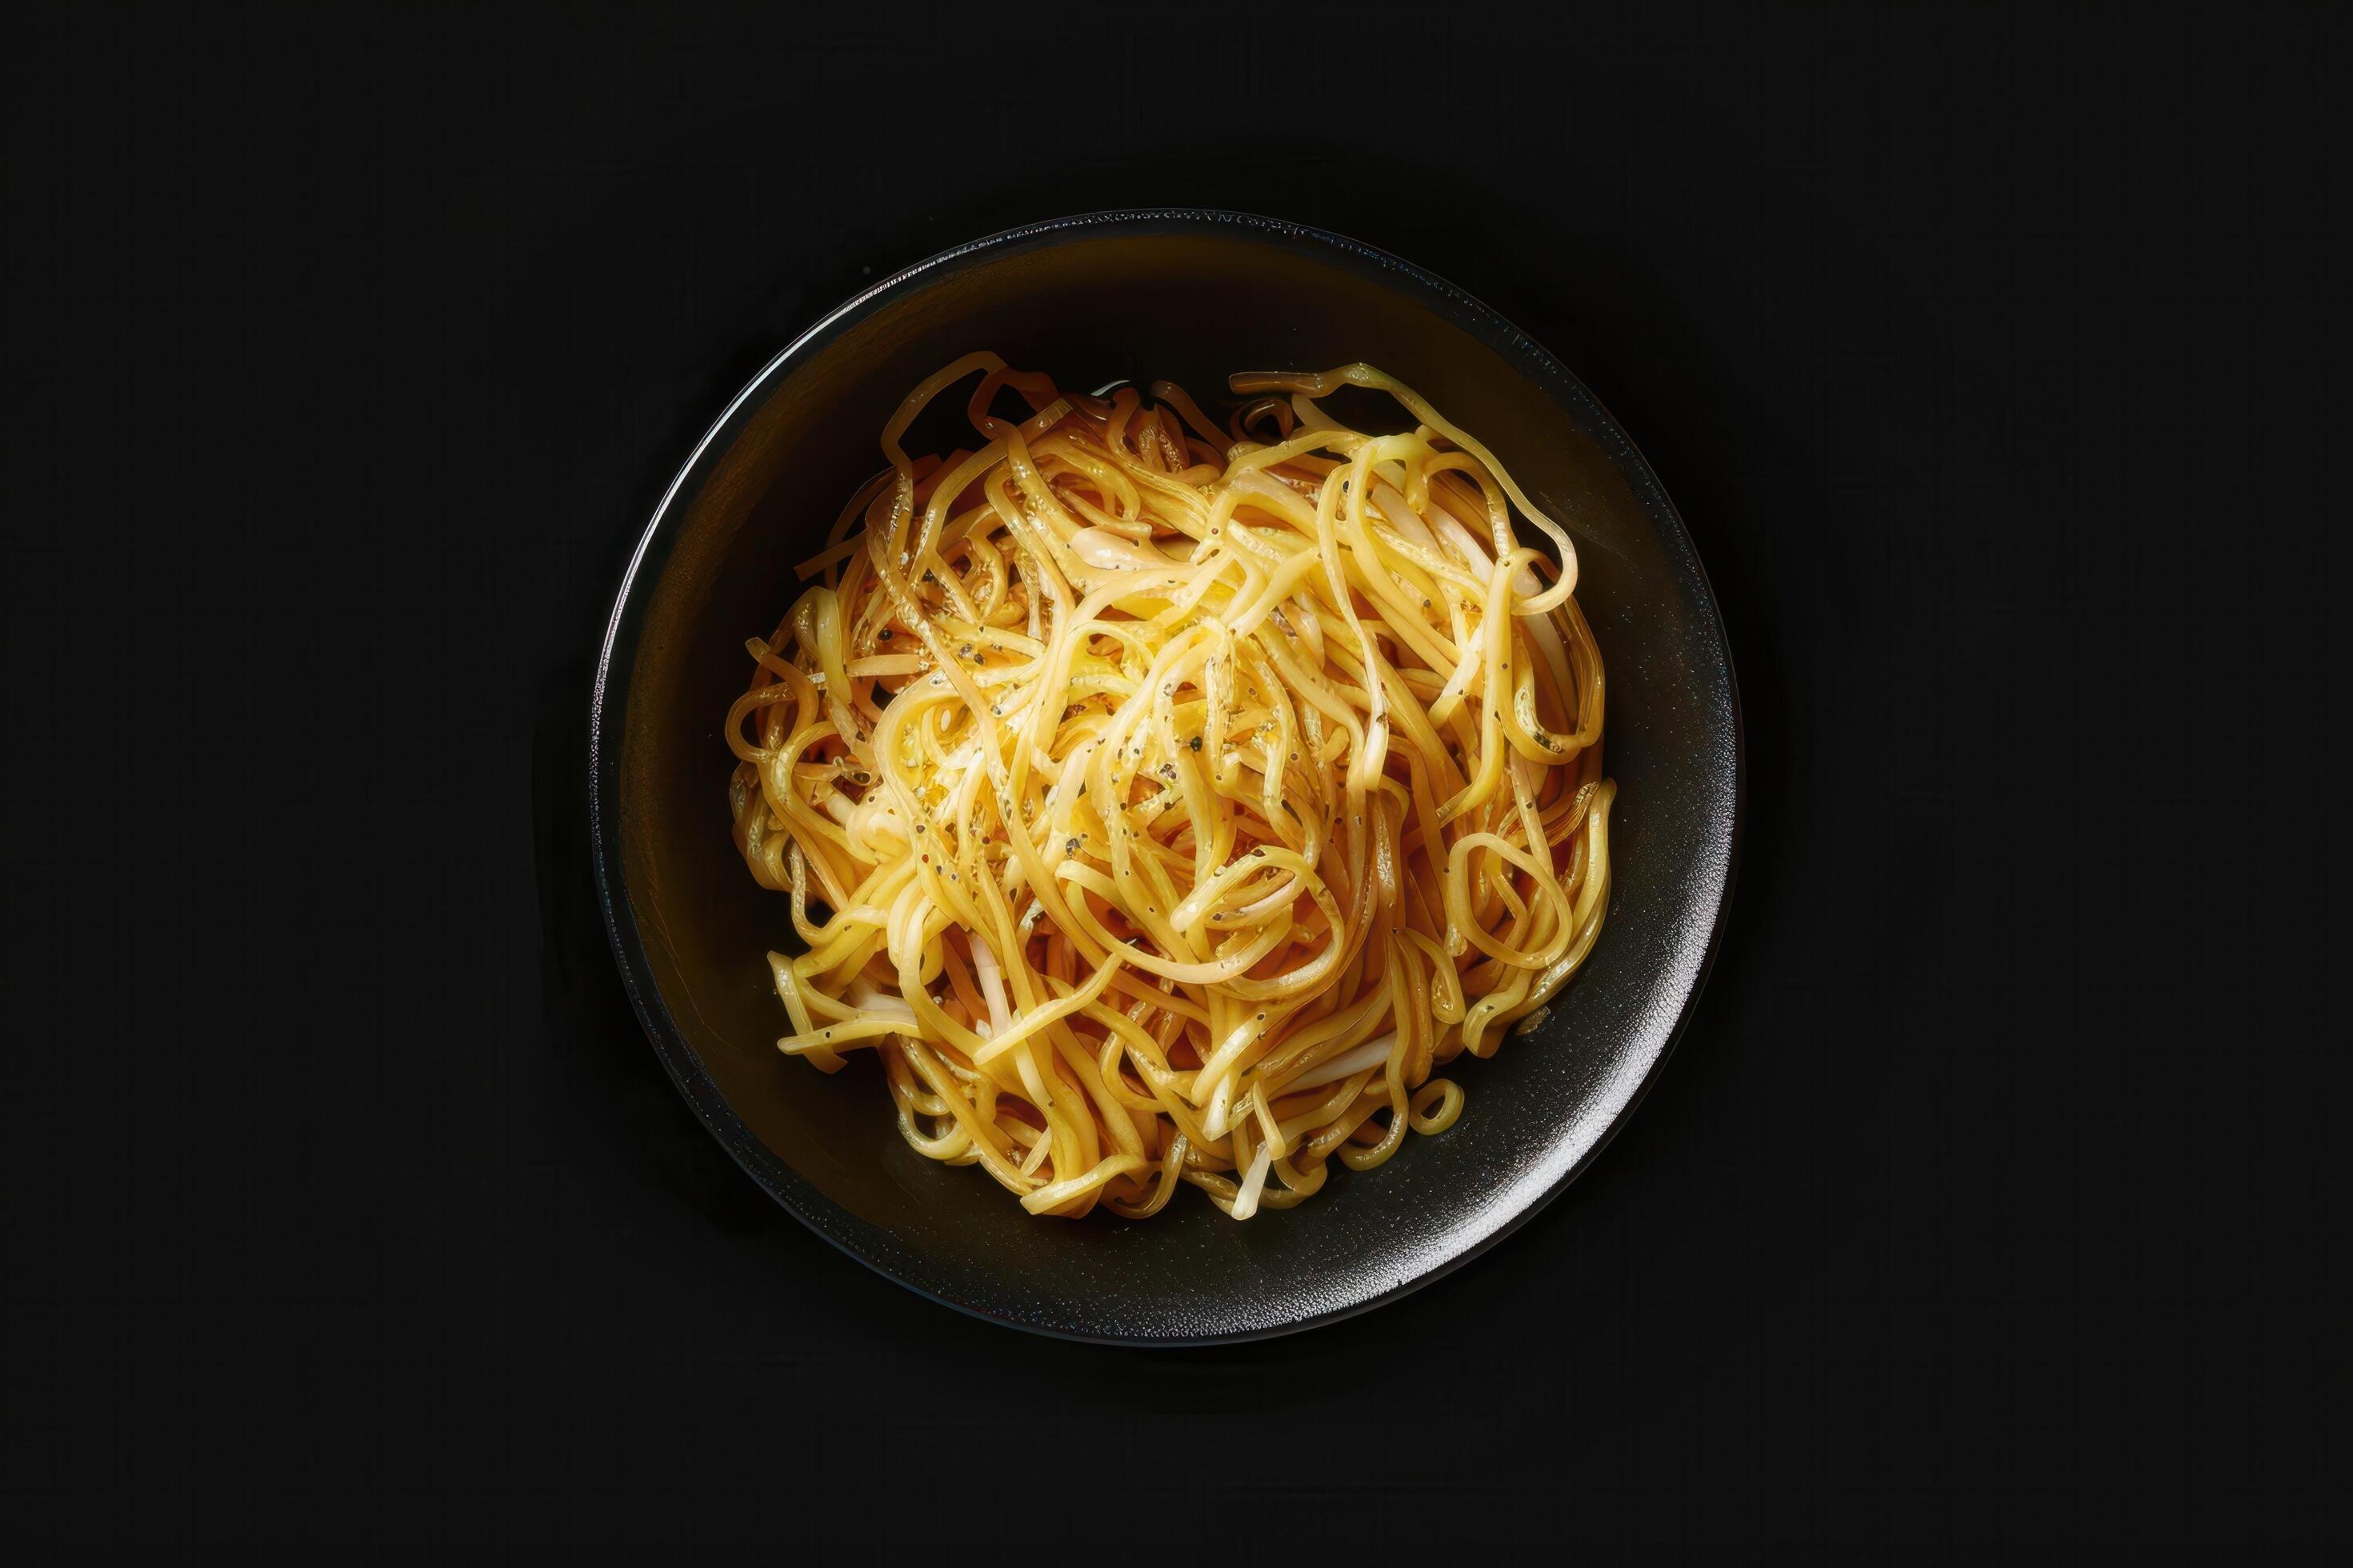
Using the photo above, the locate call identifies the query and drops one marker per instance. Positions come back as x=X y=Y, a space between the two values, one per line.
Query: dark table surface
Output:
x=1995 y=1196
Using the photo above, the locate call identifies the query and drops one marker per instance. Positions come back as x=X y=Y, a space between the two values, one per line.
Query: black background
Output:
x=1995 y=1198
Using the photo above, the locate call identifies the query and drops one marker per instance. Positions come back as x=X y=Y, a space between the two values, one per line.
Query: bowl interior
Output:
x=1190 y=301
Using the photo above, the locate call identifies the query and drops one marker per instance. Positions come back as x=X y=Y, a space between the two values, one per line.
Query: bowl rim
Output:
x=618 y=645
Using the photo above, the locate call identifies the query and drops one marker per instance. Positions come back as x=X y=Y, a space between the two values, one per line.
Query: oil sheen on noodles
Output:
x=1165 y=803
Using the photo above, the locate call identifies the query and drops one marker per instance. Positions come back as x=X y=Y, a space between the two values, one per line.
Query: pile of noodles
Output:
x=1165 y=802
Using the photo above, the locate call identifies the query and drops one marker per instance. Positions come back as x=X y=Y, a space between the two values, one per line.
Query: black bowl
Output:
x=1191 y=296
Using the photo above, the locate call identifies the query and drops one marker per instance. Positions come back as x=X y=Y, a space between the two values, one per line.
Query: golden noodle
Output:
x=1177 y=798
